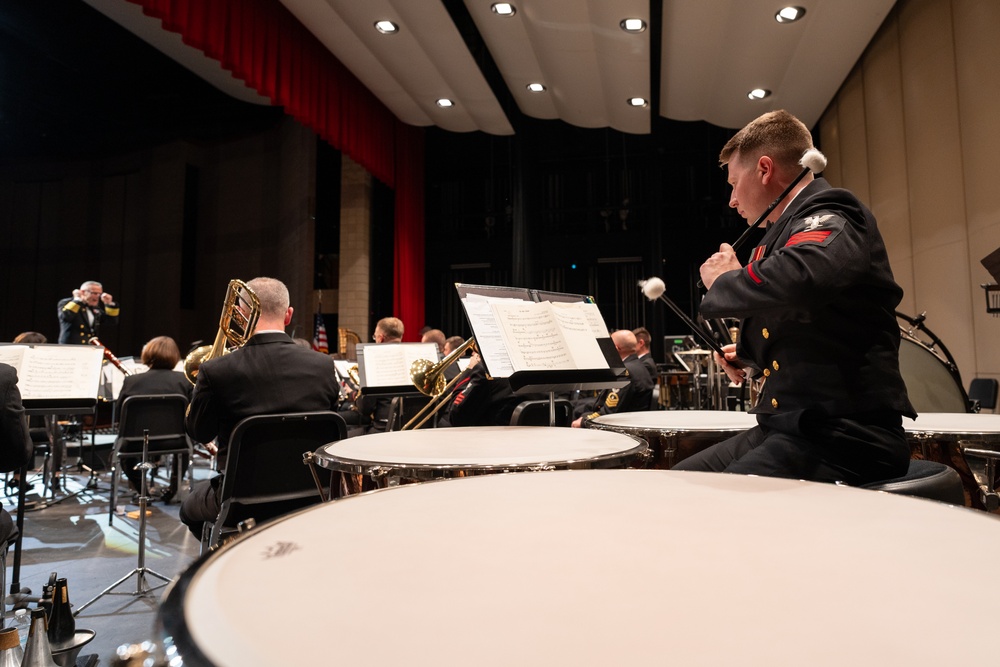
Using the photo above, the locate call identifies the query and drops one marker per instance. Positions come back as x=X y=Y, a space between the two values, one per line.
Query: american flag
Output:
x=319 y=338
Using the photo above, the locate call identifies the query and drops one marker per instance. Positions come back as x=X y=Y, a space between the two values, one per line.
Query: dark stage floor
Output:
x=70 y=535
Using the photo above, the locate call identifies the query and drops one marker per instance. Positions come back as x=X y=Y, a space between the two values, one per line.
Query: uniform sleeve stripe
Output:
x=808 y=237
x=72 y=306
x=753 y=274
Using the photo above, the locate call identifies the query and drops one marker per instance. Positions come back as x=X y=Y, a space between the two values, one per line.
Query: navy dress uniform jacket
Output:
x=817 y=307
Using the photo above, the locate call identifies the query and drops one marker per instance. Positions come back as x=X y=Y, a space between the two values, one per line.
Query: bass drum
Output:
x=930 y=381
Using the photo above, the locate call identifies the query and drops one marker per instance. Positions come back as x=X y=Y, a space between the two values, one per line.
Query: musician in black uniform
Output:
x=270 y=374
x=15 y=443
x=636 y=396
x=375 y=410
x=817 y=302
x=160 y=355
x=81 y=317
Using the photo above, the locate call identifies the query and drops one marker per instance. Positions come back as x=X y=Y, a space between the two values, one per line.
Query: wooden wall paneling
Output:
x=884 y=120
x=977 y=61
x=933 y=148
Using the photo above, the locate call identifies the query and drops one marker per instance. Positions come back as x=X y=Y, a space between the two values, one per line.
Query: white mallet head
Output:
x=813 y=160
x=653 y=288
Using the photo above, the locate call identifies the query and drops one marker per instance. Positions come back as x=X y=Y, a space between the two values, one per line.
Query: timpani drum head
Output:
x=702 y=421
x=434 y=453
x=597 y=567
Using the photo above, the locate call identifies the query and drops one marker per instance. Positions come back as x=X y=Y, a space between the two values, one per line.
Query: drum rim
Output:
x=360 y=466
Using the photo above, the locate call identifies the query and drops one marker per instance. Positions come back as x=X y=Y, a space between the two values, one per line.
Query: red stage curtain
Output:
x=263 y=44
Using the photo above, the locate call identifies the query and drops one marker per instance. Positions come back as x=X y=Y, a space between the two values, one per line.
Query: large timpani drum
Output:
x=398 y=457
x=674 y=435
x=541 y=569
x=964 y=442
x=930 y=383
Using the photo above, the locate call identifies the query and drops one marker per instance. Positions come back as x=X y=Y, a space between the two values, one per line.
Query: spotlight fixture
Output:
x=535 y=87
x=789 y=14
x=758 y=93
x=632 y=25
x=386 y=27
x=503 y=9
x=444 y=103
x=637 y=102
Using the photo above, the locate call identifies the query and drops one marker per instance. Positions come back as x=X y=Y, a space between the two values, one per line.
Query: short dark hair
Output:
x=31 y=338
x=777 y=134
x=161 y=352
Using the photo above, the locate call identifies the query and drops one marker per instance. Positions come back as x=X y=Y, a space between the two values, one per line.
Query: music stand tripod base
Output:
x=142 y=588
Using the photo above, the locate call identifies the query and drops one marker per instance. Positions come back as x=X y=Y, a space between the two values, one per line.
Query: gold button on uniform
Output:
x=767 y=372
x=764 y=332
x=774 y=364
x=774 y=402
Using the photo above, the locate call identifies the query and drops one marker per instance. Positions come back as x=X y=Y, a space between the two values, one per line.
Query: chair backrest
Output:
x=404 y=408
x=265 y=475
x=984 y=390
x=161 y=414
x=536 y=413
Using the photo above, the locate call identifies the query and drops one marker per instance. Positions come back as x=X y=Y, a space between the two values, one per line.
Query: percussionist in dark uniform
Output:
x=81 y=317
x=817 y=302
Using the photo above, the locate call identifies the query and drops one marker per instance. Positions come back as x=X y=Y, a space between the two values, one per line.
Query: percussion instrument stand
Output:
x=141 y=588
x=552 y=408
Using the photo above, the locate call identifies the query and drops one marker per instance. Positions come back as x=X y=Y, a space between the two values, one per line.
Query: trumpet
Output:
x=428 y=378
x=240 y=311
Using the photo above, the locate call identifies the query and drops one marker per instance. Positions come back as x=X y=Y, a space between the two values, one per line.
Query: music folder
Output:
x=62 y=379
x=542 y=341
x=384 y=368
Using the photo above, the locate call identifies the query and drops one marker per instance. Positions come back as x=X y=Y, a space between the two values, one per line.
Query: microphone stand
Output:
x=141 y=587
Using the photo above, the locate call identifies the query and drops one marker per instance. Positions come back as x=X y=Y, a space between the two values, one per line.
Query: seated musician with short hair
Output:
x=268 y=375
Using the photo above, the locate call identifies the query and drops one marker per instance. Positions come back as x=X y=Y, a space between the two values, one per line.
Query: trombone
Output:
x=240 y=311
x=428 y=378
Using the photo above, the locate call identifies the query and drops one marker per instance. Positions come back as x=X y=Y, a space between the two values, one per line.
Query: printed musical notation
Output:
x=55 y=371
x=516 y=335
x=388 y=364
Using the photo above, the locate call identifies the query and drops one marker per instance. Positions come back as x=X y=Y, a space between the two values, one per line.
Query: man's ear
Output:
x=288 y=315
x=765 y=166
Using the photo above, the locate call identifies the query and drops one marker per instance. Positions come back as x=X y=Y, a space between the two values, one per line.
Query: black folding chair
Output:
x=536 y=413
x=163 y=416
x=265 y=475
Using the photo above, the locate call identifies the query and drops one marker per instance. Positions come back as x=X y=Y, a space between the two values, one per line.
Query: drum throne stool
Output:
x=925 y=479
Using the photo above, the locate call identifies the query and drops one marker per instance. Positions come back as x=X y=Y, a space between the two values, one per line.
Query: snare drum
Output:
x=674 y=435
x=541 y=569
x=400 y=457
x=946 y=437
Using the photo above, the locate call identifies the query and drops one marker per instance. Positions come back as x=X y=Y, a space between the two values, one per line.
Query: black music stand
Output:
x=140 y=570
x=612 y=374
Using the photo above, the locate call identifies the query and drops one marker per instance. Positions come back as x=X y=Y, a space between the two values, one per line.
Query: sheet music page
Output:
x=581 y=325
x=590 y=311
x=60 y=372
x=12 y=355
x=533 y=336
x=388 y=364
x=489 y=336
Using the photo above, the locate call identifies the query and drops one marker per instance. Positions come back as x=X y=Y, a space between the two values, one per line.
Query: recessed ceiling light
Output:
x=789 y=14
x=386 y=27
x=444 y=103
x=632 y=25
x=535 y=87
x=758 y=93
x=503 y=8
x=636 y=102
